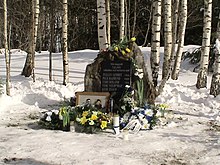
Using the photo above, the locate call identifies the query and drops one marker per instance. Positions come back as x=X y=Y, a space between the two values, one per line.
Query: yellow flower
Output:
x=123 y=52
x=163 y=106
x=116 y=48
x=128 y=50
x=133 y=39
x=83 y=120
x=104 y=124
x=94 y=117
x=85 y=113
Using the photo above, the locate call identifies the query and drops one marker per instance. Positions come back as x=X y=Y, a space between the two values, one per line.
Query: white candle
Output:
x=116 y=125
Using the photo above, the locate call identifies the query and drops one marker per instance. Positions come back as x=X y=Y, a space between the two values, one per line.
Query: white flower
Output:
x=55 y=111
x=127 y=86
x=91 y=122
x=49 y=113
x=95 y=113
x=48 y=118
x=141 y=116
x=123 y=107
x=149 y=112
x=141 y=75
x=140 y=70
x=78 y=119
x=159 y=114
x=60 y=117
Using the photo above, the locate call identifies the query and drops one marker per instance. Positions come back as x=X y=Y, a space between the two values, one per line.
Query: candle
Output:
x=116 y=124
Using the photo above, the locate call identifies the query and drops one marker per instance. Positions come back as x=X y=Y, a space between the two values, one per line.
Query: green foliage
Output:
x=195 y=57
x=64 y=114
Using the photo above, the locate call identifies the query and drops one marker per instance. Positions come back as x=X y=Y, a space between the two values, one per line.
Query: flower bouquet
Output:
x=90 y=119
x=51 y=120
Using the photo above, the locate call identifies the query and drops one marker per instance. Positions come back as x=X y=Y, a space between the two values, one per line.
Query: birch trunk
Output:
x=122 y=19
x=65 y=44
x=155 y=45
x=101 y=15
x=167 y=37
x=35 y=25
x=183 y=20
x=215 y=84
x=108 y=22
x=175 y=18
x=203 y=71
x=6 y=50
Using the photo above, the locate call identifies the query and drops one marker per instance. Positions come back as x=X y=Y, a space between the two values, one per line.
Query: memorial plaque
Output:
x=115 y=75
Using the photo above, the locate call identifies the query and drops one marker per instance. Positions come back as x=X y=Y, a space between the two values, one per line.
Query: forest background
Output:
x=82 y=23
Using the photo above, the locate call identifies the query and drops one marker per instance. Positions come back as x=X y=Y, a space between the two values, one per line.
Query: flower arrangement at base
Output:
x=51 y=120
x=90 y=119
x=145 y=118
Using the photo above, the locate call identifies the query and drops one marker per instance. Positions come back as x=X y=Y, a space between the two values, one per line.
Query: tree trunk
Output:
x=155 y=43
x=101 y=17
x=29 y=64
x=52 y=31
x=122 y=19
x=135 y=17
x=6 y=50
x=183 y=20
x=175 y=18
x=202 y=76
x=35 y=25
x=65 y=45
x=108 y=22
x=167 y=37
x=215 y=84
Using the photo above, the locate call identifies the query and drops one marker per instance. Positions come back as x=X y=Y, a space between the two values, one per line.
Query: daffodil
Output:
x=83 y=120
x=128 y=50
x=133 y=39
x=104 y=124
x=94 y=117
x=85 y=113
x=116 y=48
x=123 y=52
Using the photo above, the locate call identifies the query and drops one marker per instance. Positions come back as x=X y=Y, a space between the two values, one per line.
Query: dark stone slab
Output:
x=115 y=75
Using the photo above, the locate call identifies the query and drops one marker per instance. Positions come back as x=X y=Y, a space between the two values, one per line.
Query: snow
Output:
x=193 y=137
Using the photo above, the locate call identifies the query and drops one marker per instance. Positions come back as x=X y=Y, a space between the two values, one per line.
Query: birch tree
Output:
x=155 y=43
x=101 y=17
x=203 y=71
x=6 y=50
x=122 y=19
x=215 y=84
x=183 y=20
x=65 y=45
x=175 y=18
x=108 y=14
x=167 y=37
x=29 y=64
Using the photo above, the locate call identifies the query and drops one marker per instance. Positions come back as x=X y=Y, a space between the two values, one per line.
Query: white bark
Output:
x=183 y=20
x=122 y=19
x=155 y=45
x=202 y=76
x=36 y=12
x=215 y=84
x=65 y=44
x=108 y=22
x=175 y=18
x=6 y=50
x=101 y=14
x=167 y=37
